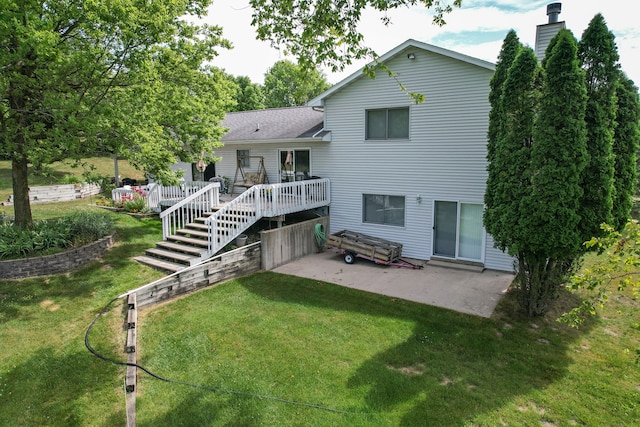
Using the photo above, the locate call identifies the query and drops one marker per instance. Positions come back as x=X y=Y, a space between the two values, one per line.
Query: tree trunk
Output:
x=21 y=204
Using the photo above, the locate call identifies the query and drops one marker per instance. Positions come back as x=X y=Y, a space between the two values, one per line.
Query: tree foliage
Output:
x=510 y=48
x=598 y=56
x=533 y=189
x=616 y=268
x=248 y=95
x=327 y=31
x=509 y=171
x=117 y=76
x=625 y=148
x=288 y=85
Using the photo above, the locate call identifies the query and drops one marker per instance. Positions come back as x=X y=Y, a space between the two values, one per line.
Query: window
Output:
x=388 y=123
x=380 y=209
x=243 y=158
x=295 y=165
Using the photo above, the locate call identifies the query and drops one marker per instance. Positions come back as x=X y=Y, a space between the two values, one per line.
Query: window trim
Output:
x=367 y=137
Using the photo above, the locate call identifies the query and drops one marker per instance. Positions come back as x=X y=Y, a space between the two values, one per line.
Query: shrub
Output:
x=53 y=235
x=87 y=227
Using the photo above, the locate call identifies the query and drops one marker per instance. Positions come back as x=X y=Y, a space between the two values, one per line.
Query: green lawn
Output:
x=369 y=360
x=47 y=377
x=269 y=340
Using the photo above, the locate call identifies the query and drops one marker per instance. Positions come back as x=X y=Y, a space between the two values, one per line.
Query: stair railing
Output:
x=235 y=217
x=186 y=210
x=263 y=200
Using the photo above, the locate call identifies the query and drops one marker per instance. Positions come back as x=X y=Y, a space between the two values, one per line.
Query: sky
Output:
x=477 y=29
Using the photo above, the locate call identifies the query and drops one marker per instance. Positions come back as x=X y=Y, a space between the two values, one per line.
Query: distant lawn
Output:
x=384 y=362
x=56 y=172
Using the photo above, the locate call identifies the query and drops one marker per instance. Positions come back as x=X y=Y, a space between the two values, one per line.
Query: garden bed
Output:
x=61 y=262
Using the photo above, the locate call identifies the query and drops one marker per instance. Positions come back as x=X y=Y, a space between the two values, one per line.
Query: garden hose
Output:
x=321 y=238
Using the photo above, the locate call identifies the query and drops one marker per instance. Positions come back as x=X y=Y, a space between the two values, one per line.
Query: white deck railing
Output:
x=156 y=193
x=194 y=206
x=264 y=200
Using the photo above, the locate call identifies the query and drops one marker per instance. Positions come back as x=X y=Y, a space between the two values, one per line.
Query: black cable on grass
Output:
x=200 y=386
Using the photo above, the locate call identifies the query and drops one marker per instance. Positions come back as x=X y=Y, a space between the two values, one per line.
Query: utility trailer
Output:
x=358 y=245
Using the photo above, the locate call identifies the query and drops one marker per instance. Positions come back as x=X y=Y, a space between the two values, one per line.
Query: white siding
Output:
x=269 y=151
x=444 y=158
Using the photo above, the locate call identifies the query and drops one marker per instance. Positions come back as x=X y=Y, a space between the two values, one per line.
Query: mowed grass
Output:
x=47 y=377
x=270 y=349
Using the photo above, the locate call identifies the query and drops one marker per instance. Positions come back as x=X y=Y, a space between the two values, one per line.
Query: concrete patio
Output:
x=464 y=291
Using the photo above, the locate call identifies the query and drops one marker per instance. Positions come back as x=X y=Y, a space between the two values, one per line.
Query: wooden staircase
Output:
x=187 y=224
x=188 y=245
x=179 y=250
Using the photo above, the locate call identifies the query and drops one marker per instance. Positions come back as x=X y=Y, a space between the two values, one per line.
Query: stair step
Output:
x=189 y=240
x=197 y=225
x=180 y=248
x=177 y=256
x=159 y=264
x=193 y=232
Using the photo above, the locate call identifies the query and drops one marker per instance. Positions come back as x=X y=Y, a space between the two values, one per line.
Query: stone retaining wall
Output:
x=56 y=263
x=58 y=193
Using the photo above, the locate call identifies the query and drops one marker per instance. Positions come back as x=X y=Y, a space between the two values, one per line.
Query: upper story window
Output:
x=388 y=123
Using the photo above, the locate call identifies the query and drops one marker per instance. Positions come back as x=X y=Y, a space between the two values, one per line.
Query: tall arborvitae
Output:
x=510 y=48
x=559 y=154
x=509 y=168
x=558 y=157
x=625 y=147
x=598 y=56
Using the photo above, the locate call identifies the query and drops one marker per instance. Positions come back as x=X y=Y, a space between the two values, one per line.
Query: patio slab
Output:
x=469 y=292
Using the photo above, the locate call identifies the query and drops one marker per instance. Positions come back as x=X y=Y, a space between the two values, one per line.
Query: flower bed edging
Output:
x=57 y=263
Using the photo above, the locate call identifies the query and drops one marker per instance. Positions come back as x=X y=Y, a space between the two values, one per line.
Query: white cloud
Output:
x=476 y=30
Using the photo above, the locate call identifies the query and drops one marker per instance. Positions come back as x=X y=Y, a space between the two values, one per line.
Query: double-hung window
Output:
x=383 y=209
x=387 y=123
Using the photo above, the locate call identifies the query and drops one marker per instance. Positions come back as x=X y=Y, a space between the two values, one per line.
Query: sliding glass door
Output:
x=457 y=230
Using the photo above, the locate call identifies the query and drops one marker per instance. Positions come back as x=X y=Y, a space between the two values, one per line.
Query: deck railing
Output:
x=194 y=206
x=264 y=200
x=156 y=193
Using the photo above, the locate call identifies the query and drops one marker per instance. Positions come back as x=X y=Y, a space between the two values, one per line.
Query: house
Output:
x=401 y=171
x=406 y=172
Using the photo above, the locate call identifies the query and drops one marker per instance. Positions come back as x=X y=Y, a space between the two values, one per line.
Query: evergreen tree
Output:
x=625 y=148
x=598 y=56
x=551 y=240
x=509 y=169
x=510 y=48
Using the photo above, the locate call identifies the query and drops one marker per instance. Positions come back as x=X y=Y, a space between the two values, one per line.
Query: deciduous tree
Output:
x=248 y=95
x=121 y=76
x=288 y=85
x=327 y=31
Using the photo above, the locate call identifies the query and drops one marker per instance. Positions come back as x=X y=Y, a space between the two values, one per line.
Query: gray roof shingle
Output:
x=273 y=124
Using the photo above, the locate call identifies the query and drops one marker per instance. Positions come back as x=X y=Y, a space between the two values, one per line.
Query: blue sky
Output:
x=477 y=29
